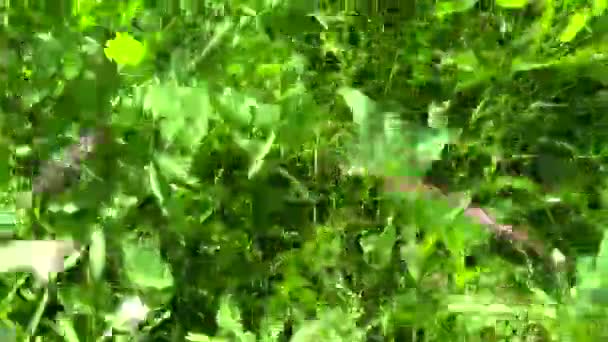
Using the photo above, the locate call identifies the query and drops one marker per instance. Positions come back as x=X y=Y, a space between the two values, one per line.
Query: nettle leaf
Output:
x=182 y=112
x=235 y=107
x=377 y=248
x=125 y=50
x=229 y=320
x=144 y=265
x=416 y=254
x=257 y=149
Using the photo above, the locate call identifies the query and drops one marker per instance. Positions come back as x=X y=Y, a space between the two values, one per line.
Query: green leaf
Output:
x=431 y=144
x=258 y=159
x=175 y=168
x=156 y=184
x=182 y=112
x=599 y=6
x=194 y=337
x=144 y=265
x=229 y=316
x=444 y=8
x=72 y=65
x=512 y=4
x=267 y=115
x=67 y=330
x=360 y=105
x=377 y=248
x=125 y=50
x=97 y=253
x=577 y=22
x=235 y=107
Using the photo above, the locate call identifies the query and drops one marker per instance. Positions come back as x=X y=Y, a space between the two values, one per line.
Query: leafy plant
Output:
x=281 y=171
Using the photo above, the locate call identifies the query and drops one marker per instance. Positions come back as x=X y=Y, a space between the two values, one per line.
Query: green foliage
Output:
x=270 y=171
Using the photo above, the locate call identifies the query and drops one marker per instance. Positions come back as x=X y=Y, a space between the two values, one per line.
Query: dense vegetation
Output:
x=250 y=170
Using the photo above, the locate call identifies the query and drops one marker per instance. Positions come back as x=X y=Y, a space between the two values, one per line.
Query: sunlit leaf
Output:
x=258 y=158
x=97 y=253
x=229 y=316
x=444 y=8
x=576 y=23
x=182 y=112
x=125 y=50
x=360 y=105
x=599 y=6
x=512 y=4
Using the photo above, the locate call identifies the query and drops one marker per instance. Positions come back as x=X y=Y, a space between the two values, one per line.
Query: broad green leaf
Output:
x=144 y=265
x=125 y=50
x=196 y=109
x=378 y=248
x=267 y=116
x=309 y=331
x=577 y=22
x=97 y=253
x=72 y=65
x=512 y=4
x=182 y=112
x=161 y=100
x=359 y=104
x=235 y=107
x=599 y=6
x=229 y=316
x=175 y=167
x=443 y=8
x=415 y=258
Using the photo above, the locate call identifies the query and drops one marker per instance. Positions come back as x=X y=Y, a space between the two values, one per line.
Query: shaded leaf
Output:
x=144 y=265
